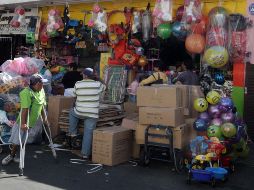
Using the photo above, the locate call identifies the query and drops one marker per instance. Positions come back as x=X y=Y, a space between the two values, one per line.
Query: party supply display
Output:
x=228 y=130
x=213 y=97
x=200 y=104
x=200 y=125
x=164 y=30
x=214 y=131
x=216 y=56
x=195 y=43
x=214 y=111
x=178 y=30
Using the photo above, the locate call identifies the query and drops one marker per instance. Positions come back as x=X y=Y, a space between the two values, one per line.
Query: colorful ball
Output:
x=228 y=130
x=195 y=43
x=200 y=125
x=216 y=56
x=228 y=117
x=216 y=121
x=219 y=78
x=213 y=97
x=142 y=61
x=214 y=111
x=179 y=31
x=164 y=30
x=226 y=104
x=214 y=131
x=205 y=116
x=200 y=104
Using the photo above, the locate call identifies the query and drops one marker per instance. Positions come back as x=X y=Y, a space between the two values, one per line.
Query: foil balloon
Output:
x=179 y=13
x=216 y=121
x=218 y=16
x=164 y=30
x=195 y=43
x=178 y=30
x=200 y=105
x=214 y=131
x=204 y=116
x=147 y=24
x=216 y=56
x=214 y=111
x=200 y=125
x=228 y=130
x=213 y=97
x=228 y=117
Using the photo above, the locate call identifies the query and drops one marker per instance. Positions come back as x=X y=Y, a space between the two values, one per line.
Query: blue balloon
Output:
x=179 y=30
x=200 y=125
x=227 y=103
x=219 y=78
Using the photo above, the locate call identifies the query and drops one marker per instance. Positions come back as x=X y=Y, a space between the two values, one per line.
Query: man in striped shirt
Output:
x=87 y=94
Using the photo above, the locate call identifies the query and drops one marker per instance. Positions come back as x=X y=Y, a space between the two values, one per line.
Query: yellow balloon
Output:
x=200 y=104
x=213 y=97
x=216 y=56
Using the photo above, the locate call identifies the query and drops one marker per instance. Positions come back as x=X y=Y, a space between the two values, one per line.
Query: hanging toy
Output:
x=43 y=33
x=147 y=23
x=19 y=18
x=162 y=12
x=66 y=19
x=54 y=22
x=192 y=11
x=136 y=26
x=101 y=21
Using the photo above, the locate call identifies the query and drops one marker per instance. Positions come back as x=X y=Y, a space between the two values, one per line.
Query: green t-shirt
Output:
x=34 y=101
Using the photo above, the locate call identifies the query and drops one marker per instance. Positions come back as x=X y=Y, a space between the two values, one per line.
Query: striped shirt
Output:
x=88 y=97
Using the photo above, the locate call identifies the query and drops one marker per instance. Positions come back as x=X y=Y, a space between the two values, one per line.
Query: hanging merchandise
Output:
x=200 y=27
x=179 y=13
x=98 y=20
x=195 y=43
x=136 y=26
x=66 y=18
x=55 y=23
x=43 y=33
x=162 y=12
x=216 y=56
x=237 y=38
x=19 y=18
x=250 y=31
x=192 y=12
x=178 y=30
x=30 y=35
x=147 y=24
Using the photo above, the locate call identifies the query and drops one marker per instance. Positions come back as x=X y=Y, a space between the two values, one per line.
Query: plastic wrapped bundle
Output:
x=162 y=12
x=19 y=18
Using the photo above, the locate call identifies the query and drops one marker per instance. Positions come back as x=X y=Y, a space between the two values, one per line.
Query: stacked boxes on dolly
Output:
x=161 y=108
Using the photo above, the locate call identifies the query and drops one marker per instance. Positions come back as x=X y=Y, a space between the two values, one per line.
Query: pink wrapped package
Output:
x=250 y=32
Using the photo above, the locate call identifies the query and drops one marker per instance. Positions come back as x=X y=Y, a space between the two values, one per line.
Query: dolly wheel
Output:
x=189 y=178
x=179 y=162
x=144 y=158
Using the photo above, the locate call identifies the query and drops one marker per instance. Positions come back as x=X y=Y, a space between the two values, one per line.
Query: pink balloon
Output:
x=216 y=121
x=56 y=26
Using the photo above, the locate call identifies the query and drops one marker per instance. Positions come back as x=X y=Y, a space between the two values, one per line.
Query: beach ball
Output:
x=200 y=104
x=214 y=111
x=228 y=130
x=226 y=104
x=195 y=43
x=214 y=131
x=213 y=97
x=219 y=78
x=216 y=56
x=164 y=30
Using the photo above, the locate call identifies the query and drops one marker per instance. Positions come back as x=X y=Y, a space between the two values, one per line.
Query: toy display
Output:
x=19 y=18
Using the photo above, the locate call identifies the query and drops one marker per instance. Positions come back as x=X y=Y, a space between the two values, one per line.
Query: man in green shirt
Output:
x=32 y=100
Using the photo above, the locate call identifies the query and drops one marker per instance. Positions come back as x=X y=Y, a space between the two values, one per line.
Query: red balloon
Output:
x=199 y=27
x=195 y=43
x=179 y=13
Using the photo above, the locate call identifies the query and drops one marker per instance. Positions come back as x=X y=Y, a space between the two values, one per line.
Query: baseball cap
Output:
x=88 y=72
x=34 y=79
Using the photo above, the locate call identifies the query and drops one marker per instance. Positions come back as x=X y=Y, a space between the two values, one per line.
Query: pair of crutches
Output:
x=23 y=144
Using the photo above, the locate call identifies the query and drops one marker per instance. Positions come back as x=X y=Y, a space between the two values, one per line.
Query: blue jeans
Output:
x=89 y=126
x=132 y=98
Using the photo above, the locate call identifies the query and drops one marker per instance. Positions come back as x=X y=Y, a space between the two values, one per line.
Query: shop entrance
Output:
x=5 y=49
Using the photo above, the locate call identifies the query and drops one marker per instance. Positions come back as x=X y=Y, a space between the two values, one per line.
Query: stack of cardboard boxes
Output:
x=161 y=105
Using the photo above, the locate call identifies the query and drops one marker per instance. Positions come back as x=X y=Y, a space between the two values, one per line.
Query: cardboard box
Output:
x=111 y=145
x=55 y=106
x=159 y=96
x=178 y=136
x=185 y=93
x=130 y=107
x=130 y=121
x=172 y=117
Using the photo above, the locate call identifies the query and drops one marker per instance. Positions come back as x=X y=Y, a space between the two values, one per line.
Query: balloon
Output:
x=214 y=131
x=195 y=43
x=214 y=111
x=218 y=16
x=178 y=30
x=142 y=61
x=216 y=56
x=216 y=121
x=228 y=130
x=219 y=78
x=226 y=103
x=200 y=27
x=228 y=117
x=200 y=104
x=200 y=125
x=164 y=30
x=213 y=97
x=204 y=116
x=237 y=22
x=179 y=13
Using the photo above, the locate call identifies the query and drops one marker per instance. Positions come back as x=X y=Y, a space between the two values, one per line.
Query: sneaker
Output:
x=16 y=159
x=7 y=160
